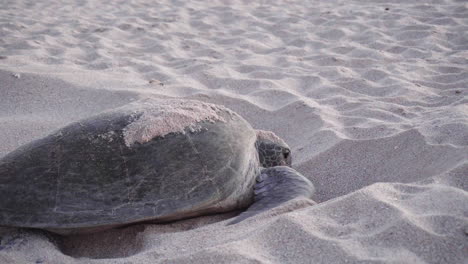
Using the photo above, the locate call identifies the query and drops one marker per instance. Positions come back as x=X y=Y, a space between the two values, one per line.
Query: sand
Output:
x=370 y=95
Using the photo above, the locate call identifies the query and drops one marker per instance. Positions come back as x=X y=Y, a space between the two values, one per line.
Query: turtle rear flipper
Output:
x=275 y=186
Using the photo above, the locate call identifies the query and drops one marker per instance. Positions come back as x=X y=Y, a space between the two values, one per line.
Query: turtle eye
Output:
x=286 y=153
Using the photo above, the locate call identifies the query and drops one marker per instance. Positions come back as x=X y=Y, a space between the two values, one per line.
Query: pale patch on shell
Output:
x=161 y=117
x=108 y=136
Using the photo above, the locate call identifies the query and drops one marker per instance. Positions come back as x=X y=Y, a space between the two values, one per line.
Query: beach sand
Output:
x=370 y=95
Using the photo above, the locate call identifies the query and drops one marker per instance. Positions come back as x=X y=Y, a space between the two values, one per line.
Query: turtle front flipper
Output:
x=274 y=186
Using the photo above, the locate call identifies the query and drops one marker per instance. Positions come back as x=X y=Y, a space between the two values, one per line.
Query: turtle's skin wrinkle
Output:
x=271 y=154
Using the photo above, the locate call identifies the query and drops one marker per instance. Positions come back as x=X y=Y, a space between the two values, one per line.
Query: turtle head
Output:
x=272 y=150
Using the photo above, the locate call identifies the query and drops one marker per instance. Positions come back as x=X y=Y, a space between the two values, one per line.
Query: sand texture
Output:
x=371 y=95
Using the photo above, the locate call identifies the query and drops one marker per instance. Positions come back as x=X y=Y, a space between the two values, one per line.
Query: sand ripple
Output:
x=370 y=95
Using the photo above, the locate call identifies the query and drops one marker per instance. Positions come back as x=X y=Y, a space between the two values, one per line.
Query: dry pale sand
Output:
x=371 y=96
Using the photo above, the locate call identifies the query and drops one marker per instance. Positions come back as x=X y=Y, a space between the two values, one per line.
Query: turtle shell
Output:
x=151 y=160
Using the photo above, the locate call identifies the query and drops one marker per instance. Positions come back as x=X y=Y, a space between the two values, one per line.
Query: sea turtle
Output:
x=150 y=160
